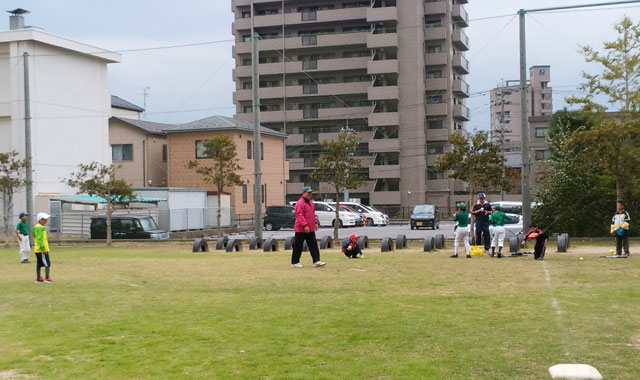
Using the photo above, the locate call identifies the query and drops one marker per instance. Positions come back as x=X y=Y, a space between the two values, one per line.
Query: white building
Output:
x=70 y=106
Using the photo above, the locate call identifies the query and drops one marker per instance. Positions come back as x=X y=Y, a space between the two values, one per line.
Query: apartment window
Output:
x=432 y=23
x=246 y=62
x=434 y=74
x=122 y=152
x=310 y=87
x=310 y=137
x=434 y=48
x=200 y=149
x=247 y=86
x=435 y=149
x=433 y=174
x=309 y=15
x=434 y=99
x=309 y=40
x=435 y=124
x=249 y=149
x=247 y=109
x=541 y=132
x=244 y=193
x=164 y=153
x=309 y=63
x=310 y=111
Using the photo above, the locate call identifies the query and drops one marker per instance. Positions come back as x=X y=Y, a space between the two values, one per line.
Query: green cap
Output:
x=307 y=189
x=462 y=206
x=23 y=214
x=498 y=207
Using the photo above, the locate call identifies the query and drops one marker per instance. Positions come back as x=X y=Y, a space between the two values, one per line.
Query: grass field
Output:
x=160 y=312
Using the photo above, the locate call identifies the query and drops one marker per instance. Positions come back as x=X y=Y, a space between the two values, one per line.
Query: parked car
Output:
x=512 y=227
x=373 y=216
x=426 y=215
x=361 y=220
x=327 y=214
x=127 y=227
x=277 y=217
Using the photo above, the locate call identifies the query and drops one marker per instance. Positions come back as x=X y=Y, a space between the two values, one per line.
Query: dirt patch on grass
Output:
x=15 y=374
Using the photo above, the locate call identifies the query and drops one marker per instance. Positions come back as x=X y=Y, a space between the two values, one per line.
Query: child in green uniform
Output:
x=42 y=248
x=22 y=232
x=496 y=219
x=461 y=217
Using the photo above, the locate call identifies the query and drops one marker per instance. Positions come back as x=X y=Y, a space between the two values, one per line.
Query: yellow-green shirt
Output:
x=40 y=237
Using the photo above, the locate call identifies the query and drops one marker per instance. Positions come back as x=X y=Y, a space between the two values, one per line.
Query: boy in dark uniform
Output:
x=541 y=239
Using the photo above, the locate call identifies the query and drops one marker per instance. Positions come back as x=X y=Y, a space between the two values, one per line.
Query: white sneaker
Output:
x=319 y=264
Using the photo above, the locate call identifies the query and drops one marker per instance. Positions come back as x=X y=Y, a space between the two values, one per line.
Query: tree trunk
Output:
x=219 y=212
x=109 y=213
x=337 y=222
x=619 y=192
x=7 y=205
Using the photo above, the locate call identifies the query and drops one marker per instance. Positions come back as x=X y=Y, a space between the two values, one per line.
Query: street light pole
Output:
x=257 y=148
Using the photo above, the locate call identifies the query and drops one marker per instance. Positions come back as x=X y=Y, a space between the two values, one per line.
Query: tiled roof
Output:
x=147 y=126
x=221 y=123
x=117 y=102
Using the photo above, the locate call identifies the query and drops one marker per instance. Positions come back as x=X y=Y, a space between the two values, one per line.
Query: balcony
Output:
x=296 y=164
x=460 y=64
x=383 y=93
x=438 y=109
x=460 y=112
x=269 y=44
x=384 y=171
x=387 y=66
x=279 y=116
x=435 y=8
x=460 y=40
x=382 y=40
x=436 y=84
x=384 y=145
x=343 y=113
x=294 y=187
x=436 y=59
x=382 y=14
x=438 y=185
x=460 y=88
x=382 y=119
x=459 y=16
x=438 y=33
x=384 y=198
x=437 y=134
x=364 y=136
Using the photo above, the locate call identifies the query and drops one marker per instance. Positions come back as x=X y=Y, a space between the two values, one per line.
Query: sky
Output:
x=193 y=82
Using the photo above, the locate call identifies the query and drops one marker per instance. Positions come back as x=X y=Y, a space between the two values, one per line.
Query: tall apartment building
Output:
x=391 y=70
x=506 y=111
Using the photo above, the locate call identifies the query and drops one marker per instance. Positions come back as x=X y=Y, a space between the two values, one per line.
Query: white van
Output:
x=374 y=217
x=327 y=214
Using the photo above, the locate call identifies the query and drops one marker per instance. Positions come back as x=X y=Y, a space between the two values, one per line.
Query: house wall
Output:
x=182 y=148
x=128 y=114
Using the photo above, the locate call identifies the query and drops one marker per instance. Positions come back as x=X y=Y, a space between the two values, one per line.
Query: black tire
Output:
x=370 y=222
x=234 y=245
x=256 y=243
x=340 y=224
x=438 y=226
x=363 y=242
x=514 y=244
x=568 y=240
x=288 y=242
x=429 y=244
x=401 y=241
x=221 y=243
x=562 y=243
x=443 y=241
x=433 y=227
x=271 y=245
x=326 y=242
x=386 y=245
x=200 y=245
x=439 y=239
x=268 y=226
x=412 y=227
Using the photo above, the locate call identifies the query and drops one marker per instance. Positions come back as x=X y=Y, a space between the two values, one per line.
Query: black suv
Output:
x=278 y=217
x=426 y=215
x=127 y=227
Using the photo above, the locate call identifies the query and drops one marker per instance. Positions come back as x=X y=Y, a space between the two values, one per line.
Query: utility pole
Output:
x=27 y=142
x=502 y=136
x=526 y=190
x=345 y=194
x=257 y=151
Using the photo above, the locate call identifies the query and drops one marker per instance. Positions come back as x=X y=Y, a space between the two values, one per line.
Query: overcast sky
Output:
x=182 y=80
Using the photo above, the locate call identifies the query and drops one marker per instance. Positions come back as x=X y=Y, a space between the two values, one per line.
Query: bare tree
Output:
x=12 y=180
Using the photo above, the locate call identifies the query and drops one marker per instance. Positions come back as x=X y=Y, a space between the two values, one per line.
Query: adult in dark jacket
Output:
x=482 y=210
x=305 y=227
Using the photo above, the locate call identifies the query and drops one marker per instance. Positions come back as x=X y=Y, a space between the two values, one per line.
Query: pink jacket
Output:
x=305 y=215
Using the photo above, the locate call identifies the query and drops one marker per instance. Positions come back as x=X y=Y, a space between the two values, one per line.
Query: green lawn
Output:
x=161 y=312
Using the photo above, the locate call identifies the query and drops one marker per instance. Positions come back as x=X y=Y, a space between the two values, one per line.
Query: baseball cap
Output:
x=482 y=195
x=43 y=215
x=307 y=189
x=23 y=214
x=353 y=236
x=497 y=207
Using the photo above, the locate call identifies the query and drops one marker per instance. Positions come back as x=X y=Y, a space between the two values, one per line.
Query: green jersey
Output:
x=23 y=228
x=462 y=218
x=498 y=218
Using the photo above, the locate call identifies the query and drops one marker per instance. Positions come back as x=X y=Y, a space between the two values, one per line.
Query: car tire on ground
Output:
x=271 y=245
x=401 y=241
x=268 y=226
x=386 y=245
x=326 y=242
x=200 y=245
x=412 y=227
x=429 y=244
x=439 y=241
x=288 y=242
x=234 y=245
x=363 y=242
x=255 y=243
x=221 y=243
x=562 y=243
x=568 y=240
x=514 y=244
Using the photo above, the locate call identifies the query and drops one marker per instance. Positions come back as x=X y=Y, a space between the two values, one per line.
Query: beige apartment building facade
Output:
x=185 y=144
x=391 y=71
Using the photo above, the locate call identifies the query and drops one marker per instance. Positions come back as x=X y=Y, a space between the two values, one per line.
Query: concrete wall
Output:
x=128 y=114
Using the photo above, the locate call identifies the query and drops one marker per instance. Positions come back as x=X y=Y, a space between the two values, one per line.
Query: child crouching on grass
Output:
x=351 y=249
x=541 y=239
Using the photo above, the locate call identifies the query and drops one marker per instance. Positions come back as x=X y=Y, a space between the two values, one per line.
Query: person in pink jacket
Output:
x=305 y=229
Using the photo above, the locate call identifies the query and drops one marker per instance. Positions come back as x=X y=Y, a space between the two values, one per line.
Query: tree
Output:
x=340 y=168
x=221 y=153
x=12 y=180
x=620 y=78
x=99 y=179
x=477 y=161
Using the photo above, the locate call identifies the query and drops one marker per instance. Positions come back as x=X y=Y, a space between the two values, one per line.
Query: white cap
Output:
x=43 y=215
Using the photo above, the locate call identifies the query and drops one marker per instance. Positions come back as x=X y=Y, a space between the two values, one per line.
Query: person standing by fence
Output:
x=305 y=227
x=22 y=232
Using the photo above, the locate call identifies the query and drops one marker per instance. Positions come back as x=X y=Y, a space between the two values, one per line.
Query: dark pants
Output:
x=483 y=229
x=622 y=242
x=540 y=249
x=354 y=252
x=312 y=243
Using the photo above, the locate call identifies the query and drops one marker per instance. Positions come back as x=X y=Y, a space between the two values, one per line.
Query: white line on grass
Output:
x=556 y=307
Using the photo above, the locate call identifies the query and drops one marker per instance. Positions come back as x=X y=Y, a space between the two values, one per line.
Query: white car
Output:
x=374 y=217
x=327 y=214
x=512 y=227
